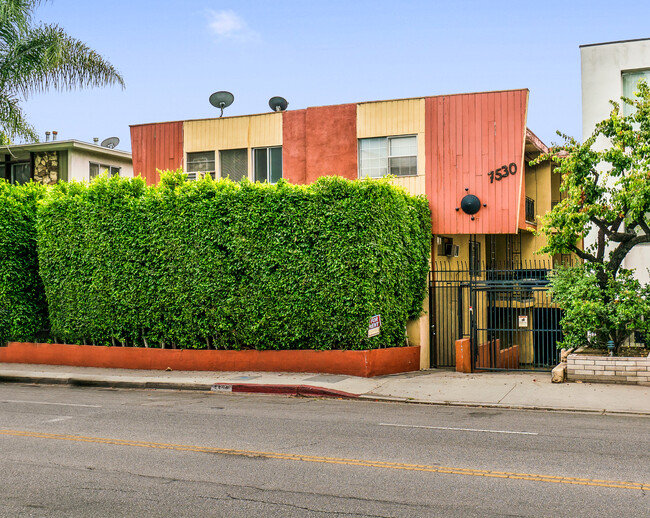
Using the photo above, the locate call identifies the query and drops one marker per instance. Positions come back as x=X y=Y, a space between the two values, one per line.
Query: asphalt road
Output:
x=83 y=452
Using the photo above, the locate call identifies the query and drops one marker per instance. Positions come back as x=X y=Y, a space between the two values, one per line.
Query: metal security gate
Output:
x=507 y=313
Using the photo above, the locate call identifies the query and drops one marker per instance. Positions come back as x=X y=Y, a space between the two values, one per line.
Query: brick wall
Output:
x=582 y=367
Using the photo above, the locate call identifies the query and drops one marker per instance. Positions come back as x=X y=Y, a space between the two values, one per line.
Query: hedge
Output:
x=215 y=264
x=23 y=312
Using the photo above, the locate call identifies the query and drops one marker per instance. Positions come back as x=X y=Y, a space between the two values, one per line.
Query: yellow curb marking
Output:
x=334 y=460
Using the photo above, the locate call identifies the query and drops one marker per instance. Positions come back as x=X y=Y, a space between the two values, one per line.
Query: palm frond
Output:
x=46 y=57
x=13 y=123
x=16 y=17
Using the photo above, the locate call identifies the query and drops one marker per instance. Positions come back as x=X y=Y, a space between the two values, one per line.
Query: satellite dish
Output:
x=278 y=104
x=221 y=100
x=110 y=142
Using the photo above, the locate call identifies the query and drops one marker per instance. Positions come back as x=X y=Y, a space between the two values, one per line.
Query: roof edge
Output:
x=330 y=105
x=67 y=144
x=536 y=141
x=613 y=42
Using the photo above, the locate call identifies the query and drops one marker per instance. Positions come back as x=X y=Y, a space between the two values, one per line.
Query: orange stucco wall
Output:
x=374 y=362
x=318 y=142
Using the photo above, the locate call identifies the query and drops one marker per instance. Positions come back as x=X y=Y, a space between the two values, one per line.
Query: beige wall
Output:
x=390 y=118
x=249 y=132
x=78 y=164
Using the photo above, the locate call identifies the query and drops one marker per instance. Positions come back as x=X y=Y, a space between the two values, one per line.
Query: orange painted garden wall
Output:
x=375 y=362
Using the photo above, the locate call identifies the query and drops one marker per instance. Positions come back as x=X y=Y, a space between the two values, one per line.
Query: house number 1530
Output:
x=502 y=172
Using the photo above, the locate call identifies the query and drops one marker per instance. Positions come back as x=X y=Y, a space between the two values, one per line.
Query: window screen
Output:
x=234 y=164
x=388 y=155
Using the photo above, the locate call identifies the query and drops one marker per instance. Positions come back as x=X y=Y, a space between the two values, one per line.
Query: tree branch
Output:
x=586 y=256
x=617 y=256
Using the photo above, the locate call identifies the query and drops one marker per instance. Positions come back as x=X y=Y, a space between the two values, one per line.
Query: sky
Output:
x=174 y=54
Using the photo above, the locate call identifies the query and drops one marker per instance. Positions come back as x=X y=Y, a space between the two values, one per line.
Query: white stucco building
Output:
x=65 y=160
x=609 y=71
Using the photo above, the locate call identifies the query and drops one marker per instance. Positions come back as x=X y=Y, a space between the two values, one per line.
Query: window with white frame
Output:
x=267 y=164
x=95 y=169
x=630 y=86
x=201 y=162
x=234 y=164
x=382 y=156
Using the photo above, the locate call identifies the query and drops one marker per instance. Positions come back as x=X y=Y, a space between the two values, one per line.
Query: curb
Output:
x=291 y=390
x=243 y=388
x=94 y=382
x=603 y=411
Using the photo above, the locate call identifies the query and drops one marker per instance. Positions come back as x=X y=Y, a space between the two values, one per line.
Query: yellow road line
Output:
x=553 y=479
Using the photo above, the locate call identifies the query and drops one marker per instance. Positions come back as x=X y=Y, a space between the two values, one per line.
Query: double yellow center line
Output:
x=334 y=460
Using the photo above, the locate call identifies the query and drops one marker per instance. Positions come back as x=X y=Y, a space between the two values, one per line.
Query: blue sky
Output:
x=174 y=54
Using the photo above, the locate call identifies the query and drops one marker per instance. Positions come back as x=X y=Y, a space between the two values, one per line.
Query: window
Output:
x=267 y=164
x=96 y=169
x=234 y=164
x=630 y=83
x=388 y=155
x=20 y=173
x=530 y=211
x=201 y=162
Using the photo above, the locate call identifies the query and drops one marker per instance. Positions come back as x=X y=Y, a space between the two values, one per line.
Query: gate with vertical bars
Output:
x=506 y=312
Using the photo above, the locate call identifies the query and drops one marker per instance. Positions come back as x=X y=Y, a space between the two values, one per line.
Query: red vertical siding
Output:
x=319 y=142
x=466 y=137
x=156 y=146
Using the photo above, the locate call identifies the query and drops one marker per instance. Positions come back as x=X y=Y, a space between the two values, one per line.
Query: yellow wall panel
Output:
x=386 y=118
x=390 y=118
x=266 y=130
x=233 y=132
x=413 y=184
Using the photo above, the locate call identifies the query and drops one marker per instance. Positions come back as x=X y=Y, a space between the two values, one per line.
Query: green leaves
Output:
x=23 y=311
x=230 y=266
x=34 y=58
x=606 y=194
x=592 y=315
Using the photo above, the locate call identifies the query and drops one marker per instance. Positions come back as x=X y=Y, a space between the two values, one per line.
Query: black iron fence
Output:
x=506 y=311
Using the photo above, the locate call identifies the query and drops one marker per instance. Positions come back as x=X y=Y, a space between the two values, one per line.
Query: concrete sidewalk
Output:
x=529 y=390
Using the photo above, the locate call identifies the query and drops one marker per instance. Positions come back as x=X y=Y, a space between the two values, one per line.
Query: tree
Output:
x=34 y=58
x=606 y=193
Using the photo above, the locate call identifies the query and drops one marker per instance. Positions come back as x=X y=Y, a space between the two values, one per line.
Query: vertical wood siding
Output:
x=467 y=136
x=156 y=146
x=233 y=132
x=390 y=118
x=320 y=141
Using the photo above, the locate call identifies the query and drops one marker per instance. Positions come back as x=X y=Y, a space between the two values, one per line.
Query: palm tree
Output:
x=34 y=58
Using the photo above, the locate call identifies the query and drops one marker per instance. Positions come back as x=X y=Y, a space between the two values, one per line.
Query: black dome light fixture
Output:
x=470 y=204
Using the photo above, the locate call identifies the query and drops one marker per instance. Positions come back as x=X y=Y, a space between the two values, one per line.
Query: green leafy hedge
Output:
x=222 y=265
x=23 y=312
